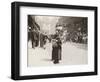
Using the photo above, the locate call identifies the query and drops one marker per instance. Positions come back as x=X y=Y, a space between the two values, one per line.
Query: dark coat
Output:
x=56 y=51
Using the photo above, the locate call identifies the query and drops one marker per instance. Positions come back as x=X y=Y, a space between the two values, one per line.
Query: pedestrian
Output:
x=54 y=44
x=34 y=38
x=59 y=43
x=56 y=51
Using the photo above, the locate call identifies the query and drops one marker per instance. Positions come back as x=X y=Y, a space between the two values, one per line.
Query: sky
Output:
x=47 y=23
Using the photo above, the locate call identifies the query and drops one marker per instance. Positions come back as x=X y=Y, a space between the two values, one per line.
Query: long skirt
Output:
x=56 y=54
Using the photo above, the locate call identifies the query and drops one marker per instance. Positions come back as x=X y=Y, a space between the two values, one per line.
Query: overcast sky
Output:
x=47 y=23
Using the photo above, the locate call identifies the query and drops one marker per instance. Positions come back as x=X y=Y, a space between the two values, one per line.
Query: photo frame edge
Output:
x=15 y=34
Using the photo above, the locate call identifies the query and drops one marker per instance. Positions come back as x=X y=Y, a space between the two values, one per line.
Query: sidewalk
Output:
x=72 y=54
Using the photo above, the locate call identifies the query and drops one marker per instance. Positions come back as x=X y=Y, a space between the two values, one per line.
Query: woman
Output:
x=56 y=50
x=59 y=43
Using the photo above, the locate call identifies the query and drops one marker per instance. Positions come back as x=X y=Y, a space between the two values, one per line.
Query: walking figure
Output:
x=56 y=50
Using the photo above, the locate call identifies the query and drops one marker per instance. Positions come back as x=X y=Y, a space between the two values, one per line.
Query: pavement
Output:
x=72 y=54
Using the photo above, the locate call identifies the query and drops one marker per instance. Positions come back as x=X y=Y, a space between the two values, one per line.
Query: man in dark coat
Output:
x=34 y=38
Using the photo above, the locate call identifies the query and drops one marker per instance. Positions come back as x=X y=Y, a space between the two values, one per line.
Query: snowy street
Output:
x=72 y=54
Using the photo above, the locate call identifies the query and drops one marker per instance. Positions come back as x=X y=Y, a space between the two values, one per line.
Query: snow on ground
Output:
x=72 y=54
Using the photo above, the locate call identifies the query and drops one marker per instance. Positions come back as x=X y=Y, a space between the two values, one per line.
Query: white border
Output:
x=24 y=70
